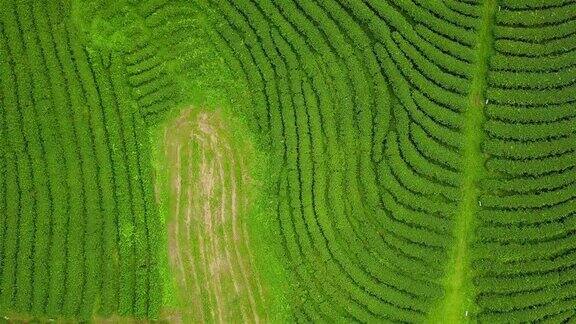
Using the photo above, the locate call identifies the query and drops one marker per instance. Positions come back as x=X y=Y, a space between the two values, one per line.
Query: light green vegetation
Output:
x=458 y=302
x=206 y=193
x=409 y=160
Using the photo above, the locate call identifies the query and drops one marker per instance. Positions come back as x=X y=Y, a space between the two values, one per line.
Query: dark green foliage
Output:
x=71 y=169
x=366 y=109
x=323 y=96
x=527 y=273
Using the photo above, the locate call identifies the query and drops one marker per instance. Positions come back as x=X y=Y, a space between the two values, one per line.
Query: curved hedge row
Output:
x=423 y=151
x=528 y=196
x=436 y=89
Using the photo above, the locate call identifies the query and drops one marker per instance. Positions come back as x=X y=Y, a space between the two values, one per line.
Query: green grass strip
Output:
x=457 y=305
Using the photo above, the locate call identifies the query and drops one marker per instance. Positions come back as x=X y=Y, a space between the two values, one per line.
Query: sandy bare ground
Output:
x=208 y=239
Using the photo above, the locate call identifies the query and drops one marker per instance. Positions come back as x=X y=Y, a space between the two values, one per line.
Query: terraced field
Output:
x=288 y=161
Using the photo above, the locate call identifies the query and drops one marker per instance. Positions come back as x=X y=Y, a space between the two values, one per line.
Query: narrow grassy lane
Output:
x=457 y=305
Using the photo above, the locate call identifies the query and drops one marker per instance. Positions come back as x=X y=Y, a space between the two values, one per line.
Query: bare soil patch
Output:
x=207 y=236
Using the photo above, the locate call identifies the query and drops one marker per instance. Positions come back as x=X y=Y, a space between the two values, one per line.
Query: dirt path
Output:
x=208 y=240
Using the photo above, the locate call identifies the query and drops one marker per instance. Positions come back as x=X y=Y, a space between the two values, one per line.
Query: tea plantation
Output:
x=282 y=161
